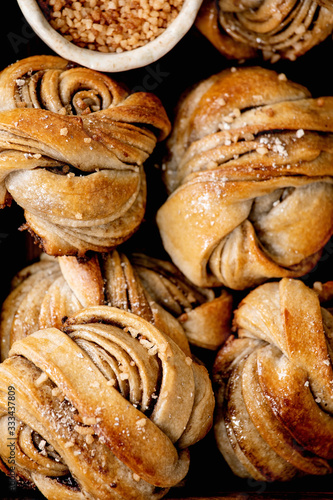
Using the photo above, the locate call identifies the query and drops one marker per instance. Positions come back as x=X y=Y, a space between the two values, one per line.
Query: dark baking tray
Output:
x=193 y=59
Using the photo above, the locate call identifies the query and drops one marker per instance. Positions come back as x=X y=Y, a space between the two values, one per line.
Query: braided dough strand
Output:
x=249 y=189
x=269 y=28
x=101 y=394
x=72 y=147
x=45 y=293
x=274 y=385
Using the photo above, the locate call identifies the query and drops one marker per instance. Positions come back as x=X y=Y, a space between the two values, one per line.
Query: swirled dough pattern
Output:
x=204 y=313
x=51 y=289
x=72 y=147
x=46 y=292
x=107 y=408
x=274 y=385
x=270 y=28
x=249 y=172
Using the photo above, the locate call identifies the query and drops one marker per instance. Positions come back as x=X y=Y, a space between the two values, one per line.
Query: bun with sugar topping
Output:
x=73 y=143
x=249 y=174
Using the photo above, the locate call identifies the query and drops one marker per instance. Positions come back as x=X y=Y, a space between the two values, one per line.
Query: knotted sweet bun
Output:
x=274 y=384
x=249 y=173
x=204 y=313
x=107 y=408
x=268 y=28
x=44 y=293
x=73 y=143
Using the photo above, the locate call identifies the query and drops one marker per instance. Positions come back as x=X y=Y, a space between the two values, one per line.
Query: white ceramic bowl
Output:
x=111 y=62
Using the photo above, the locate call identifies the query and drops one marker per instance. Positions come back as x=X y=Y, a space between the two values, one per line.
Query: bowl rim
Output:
x=111 y=62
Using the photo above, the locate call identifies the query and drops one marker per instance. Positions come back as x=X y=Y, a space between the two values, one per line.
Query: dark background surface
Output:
x=192 y=60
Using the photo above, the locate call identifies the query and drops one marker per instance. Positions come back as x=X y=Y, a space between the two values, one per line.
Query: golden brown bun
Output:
x=274 y=385
x=107 y=408
x=249 y=172
x=46 y=292
x=73 y=143
x=267 y=28
x=204 y=313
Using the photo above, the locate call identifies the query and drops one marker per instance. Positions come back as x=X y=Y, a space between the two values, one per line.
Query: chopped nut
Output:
x=84 y=431
x=55 y=391
x=141 y=422
x=262 y=151
x=42 y=444
x=221 y=102
x=112 y=26
x=249 y=137
x=153 y=350
x=89 y=420
x=188 y=361
x=146 y=343
x=236 y=112
x=41 y=379
x=69 y=444
x=228 y=119
x=133 y=332
x=89 y=439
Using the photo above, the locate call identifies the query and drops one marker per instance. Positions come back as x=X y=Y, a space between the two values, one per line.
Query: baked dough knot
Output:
x=274 y=385
x=73 y=143
x=204 y=313
x=106 y=408
x=49 y=290
x=249 y=176
x=265 y=28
